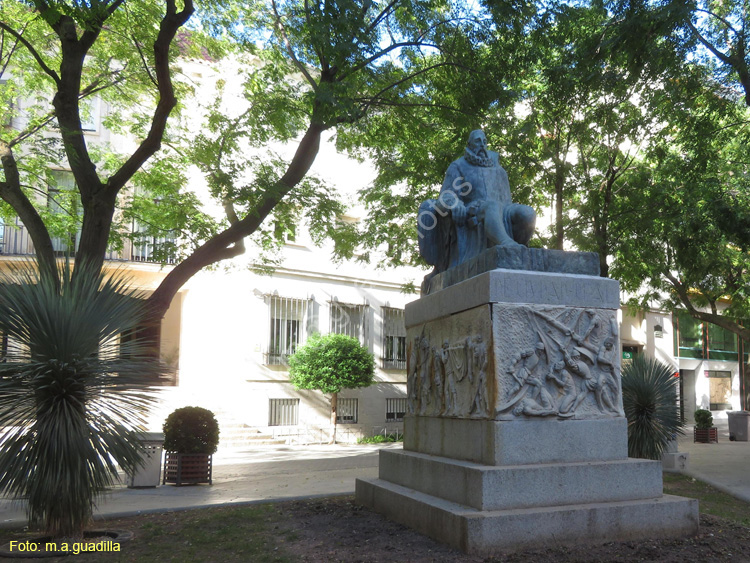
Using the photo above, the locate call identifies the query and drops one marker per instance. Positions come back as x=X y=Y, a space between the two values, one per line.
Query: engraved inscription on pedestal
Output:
x=505 y=362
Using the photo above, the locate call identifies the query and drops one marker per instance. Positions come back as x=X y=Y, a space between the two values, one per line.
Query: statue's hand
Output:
x=458 y=213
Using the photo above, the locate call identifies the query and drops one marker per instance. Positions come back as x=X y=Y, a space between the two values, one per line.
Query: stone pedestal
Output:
x=516 y=436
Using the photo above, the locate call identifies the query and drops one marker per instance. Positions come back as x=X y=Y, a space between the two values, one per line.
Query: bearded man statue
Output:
x=473 y=212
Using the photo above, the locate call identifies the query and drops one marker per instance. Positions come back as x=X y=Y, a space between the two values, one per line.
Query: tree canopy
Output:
x=316 y=66
x=330 y=363
x=626 y=119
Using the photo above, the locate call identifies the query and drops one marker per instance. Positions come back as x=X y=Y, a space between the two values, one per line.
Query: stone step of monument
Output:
x=487 y=487
x=495 y=531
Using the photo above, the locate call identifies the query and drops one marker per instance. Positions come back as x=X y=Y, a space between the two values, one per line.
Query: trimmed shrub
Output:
x=191 y=430
x=703 y=419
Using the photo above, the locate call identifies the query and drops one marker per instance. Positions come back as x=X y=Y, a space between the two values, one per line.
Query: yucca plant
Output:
x=72 y=395
x=649 y=398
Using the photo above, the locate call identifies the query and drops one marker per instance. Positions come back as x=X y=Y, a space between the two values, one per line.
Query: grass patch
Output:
x=710 y=500
x=226 y=534
x=380 y=439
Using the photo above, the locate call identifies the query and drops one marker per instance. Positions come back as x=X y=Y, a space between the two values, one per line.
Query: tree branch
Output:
x=383 y=52
x=37 y=57
x=290 y=49
x=718 y=54
x=398 y=82
x=11 y=192
x=171 y=22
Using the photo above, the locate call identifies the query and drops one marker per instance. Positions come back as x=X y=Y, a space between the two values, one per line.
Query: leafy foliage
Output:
x=191 y=430
x=703 y=419
x=330 y=363
x=649 y=399
x=72 y=396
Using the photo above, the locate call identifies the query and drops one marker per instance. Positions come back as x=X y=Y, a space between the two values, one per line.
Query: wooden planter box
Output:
x=183 y=469
x=706 y=435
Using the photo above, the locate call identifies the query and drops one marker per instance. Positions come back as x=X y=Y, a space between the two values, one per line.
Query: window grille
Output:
x=347 y=411
x=283 y=412
x=394 y=339
x=350 y=320
x=395 y=409
x=150 y=248
x=288 y=320
x=15 y=238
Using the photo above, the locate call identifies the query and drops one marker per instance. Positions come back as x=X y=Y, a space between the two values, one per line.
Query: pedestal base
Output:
x=487 y=486
x=487 y=532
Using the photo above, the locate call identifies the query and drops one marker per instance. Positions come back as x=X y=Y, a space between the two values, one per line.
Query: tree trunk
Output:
x=334 y=409
x=559 y=202
x=97 y=224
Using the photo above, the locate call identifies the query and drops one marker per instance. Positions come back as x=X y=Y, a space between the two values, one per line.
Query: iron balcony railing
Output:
x=15 y=241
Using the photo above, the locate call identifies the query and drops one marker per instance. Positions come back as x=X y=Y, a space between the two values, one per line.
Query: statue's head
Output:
x=477 y=143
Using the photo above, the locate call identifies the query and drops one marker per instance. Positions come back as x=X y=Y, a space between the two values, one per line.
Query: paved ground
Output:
x=284 y=472
x=725 y=465
x=265 y=472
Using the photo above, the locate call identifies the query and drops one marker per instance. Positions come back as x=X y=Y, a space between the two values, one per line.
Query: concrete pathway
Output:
x=725 y=465
x=257 y=475
x=288 y=472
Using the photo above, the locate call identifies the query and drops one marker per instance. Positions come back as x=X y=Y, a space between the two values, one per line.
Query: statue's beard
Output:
x=478 y=160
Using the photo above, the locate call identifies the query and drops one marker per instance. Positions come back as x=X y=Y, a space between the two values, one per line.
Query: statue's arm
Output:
x=450 y=201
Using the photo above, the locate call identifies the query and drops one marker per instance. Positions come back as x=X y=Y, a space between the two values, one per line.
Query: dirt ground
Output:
x=337 y=530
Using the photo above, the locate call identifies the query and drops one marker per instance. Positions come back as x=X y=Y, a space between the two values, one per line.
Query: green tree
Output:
x=352 y=58
x=329 y=364
x=72 y=394
x=568 y=116
x=688 y=245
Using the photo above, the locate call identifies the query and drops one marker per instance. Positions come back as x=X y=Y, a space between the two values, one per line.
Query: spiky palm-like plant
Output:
x=649 y=398
x=72 y=399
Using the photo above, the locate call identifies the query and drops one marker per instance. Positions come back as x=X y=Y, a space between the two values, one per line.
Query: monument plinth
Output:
x=515 y=436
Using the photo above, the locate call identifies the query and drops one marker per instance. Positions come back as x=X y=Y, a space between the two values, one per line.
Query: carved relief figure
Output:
x=478 y=375
x=412 y=385
x=609 y=379
x=438 y=381
x=562 y=378
x=425 y=373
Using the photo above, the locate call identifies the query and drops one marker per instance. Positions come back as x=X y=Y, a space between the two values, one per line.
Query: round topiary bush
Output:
x=703 y=419
x=191 y=430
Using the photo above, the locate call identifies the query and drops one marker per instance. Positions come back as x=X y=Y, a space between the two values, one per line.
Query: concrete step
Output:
x=492 y=531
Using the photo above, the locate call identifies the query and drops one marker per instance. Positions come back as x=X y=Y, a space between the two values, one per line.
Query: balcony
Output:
x=15 y=241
